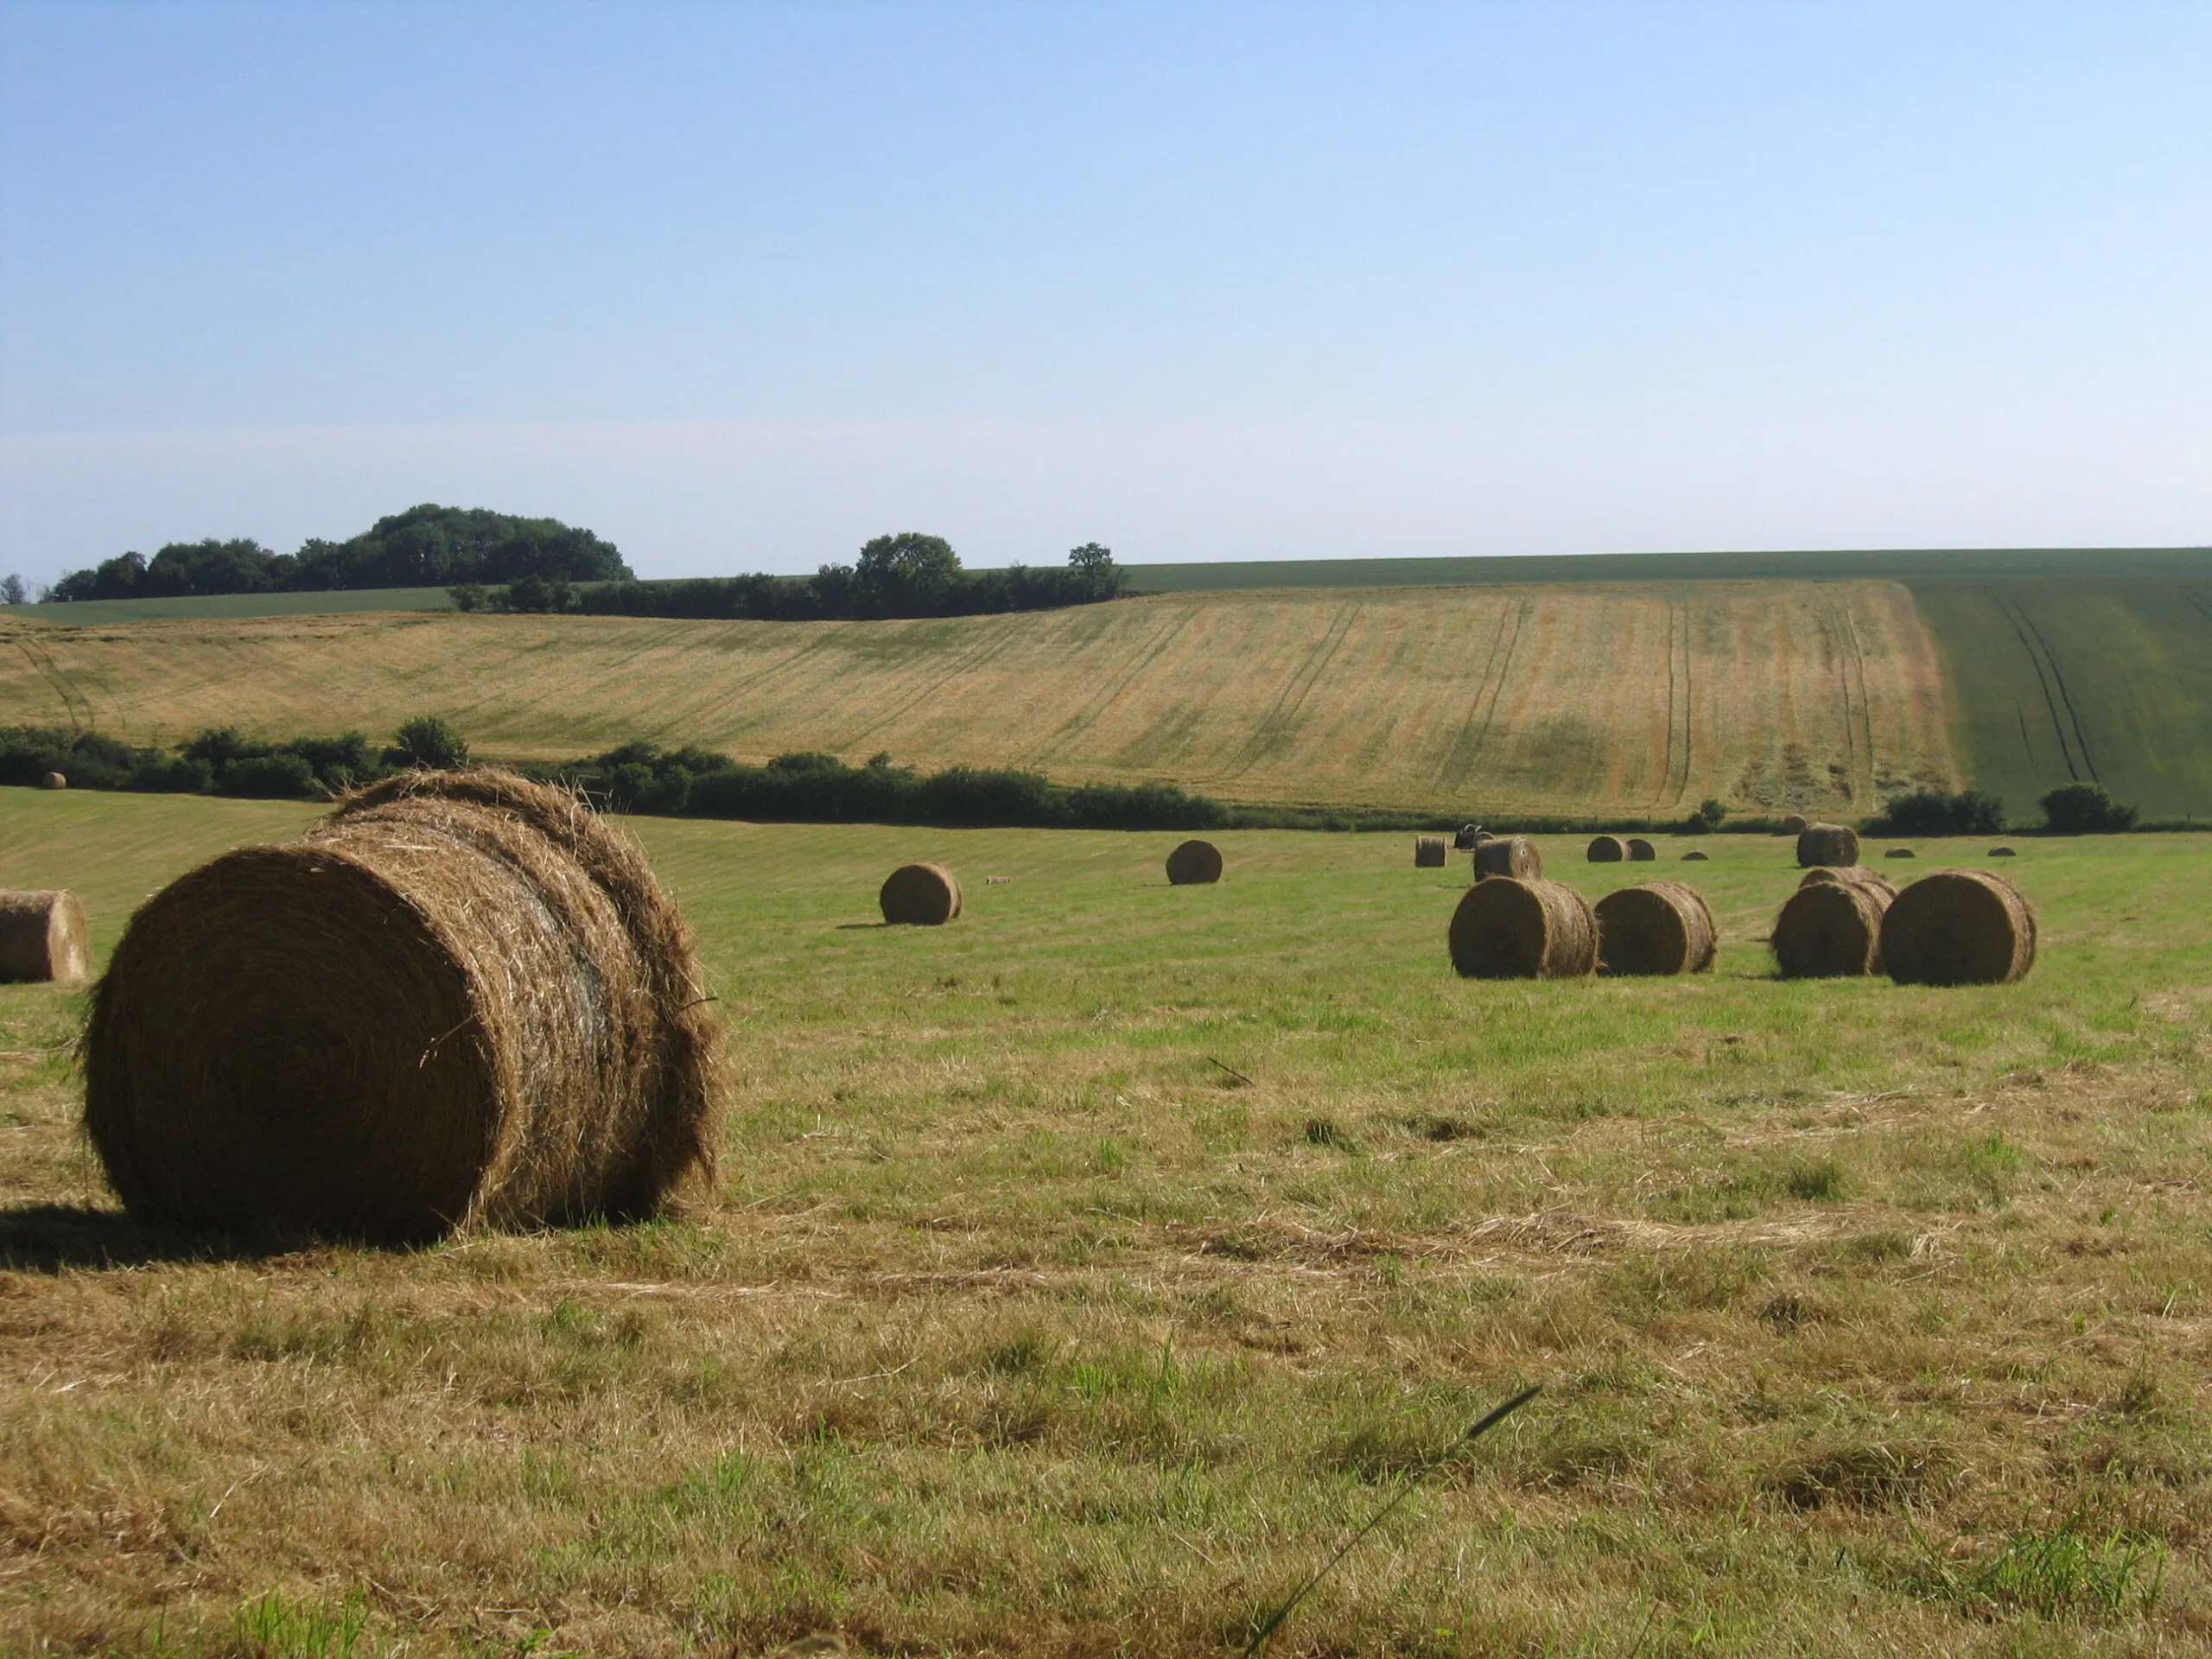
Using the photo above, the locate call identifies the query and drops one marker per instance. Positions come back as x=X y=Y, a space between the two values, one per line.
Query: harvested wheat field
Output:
x=1076 y=1276
x=1575 y=697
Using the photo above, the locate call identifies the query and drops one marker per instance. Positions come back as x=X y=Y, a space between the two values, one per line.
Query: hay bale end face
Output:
x=1428 y=852
x=1794 y=825
x=1513 y=855
x=1959 y=927
x=1827 y=843
x=920 y=895
x=42 y=938
x=461 y=1000
x=53 y=780
x=1608 y=850
x=1510 y=928
x=1660 y=927
x=1195 y=864
x=1640 y=851
x=1831 y=930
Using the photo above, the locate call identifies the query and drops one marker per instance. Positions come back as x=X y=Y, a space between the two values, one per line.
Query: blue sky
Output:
x=741 y=285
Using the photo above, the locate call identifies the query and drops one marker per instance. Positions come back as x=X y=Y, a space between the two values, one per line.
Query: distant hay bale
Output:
x=2002 y=852
x=1194 y=864
x=1694 y=857
x=1510 y=928
x=1794 y=825
x=920 y=895
x=53 y=780
x=1827 y=843
x=1513 y=855
x=1608 y=850
x=1468 y=836
x=1660 y=927
x=461 y=1000
x=1959 y=927
x=1831 y=929
x=1900 y=852
x=1847 y=875
x=1428 y=852
x=42 y=938
x=1640 y=851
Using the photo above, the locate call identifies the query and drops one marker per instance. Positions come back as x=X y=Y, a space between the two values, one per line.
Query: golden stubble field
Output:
x=1629 y=698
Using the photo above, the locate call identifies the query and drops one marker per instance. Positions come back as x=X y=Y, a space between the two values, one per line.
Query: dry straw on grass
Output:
x=1832 y=928
x=920 y=895
x=42 y=938
x=1660 y=927
x=1428 y=852
x=461 y=1000
x=1959 y=927
x=1194 y=864
x=1640 y=851
x=1608 y=850
x=1510 y=928
x=1513 y=855
x=1827 y=843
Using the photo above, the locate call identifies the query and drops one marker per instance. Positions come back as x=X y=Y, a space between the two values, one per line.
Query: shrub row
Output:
x=219 y=761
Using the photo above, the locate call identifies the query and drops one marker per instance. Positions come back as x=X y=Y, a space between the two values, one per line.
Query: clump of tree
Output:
x=426 y=546
x=220 y=761
x=2085 y=810
x=1940 y=812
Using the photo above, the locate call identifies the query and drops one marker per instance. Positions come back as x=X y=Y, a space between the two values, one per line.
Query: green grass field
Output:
x=93 y=612
x=1077 y=1275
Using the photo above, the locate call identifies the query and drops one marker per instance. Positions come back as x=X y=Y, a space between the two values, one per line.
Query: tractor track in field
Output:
x=1091 y=712
x=1678 y=708
x=1283 y=715
x=74 y=703
x=2055 y=693
x=985 y=650
x=1459 y=761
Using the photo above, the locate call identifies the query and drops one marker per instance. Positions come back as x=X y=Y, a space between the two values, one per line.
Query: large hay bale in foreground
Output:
x=1508 y=928
x=1607 y=849
x=1959 y=927
x=920 y=895
x=42 y=937
x=1831 y=929
x=1660 y=927
x=1194 y=864
x=1794 y=825
x=461 y=1000
x=1827 y=843
x=1513 y=855
x=1428 y=852
x=1640 y=851
x=1847 y=875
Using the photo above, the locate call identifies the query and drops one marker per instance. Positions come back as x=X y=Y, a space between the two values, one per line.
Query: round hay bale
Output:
x=42 y=938
x=1959 y=927
x=1465 y=840
x=1510 y=928
x=1831 y=930
x=1694 y=857
x=1794 y=825
x=1513 y=855
x=920 y=895
x=1900 y=852
x=1194 y=864
x=1428 y=852
x=1660 y=927
x=462 y=1000
x=2002 y=852
x=53 y=780
x=1827 y=843
x=1848 y=876
x=1608 y=850
x=1640 y=851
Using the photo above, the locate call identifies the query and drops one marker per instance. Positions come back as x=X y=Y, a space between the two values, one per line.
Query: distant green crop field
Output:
x=93 y=612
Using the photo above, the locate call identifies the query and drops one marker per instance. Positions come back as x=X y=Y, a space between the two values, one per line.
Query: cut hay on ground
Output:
x=1827 y=843
x=920 y=895
x=460 y=999
x=1607 y=849
x=42 y=938
x=1660 y=927
x=1959 y=927
x=1640 y=851
x=1510 y=928
x=1194 y=864
x=1847 y=875
x=1831 y=929
x=1428 y=852
x=1514 y=855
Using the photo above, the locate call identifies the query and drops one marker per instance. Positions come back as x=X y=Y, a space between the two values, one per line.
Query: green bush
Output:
x=2085 y=810
x=1941 y=812
x=269 y=776
x=429 y=743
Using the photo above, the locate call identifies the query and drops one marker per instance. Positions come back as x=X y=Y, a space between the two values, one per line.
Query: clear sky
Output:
x=741 y=285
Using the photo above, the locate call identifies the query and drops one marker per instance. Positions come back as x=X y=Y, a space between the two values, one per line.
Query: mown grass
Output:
x=1078 y=1274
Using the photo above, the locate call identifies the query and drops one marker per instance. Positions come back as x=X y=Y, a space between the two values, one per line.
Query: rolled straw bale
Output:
x=920 y=895
x=42 y=937
x=1900 y=852
x=1693 y=857
x=1640 y=851
x=1959 y=927
x=53 y=780
x=1831 y=930
x=1827 y=843
x=1513 y=855
x=1608 y=850
x=1510 y=928
x=1466 y=840
x=1428 y=852
x=2002 y=852
x=1194 y=864
x=1793 y=825
x=461 y=1000
x=1660 y=927
x=1848 y=876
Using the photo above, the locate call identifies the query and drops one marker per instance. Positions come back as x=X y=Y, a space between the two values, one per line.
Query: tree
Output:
x=2085 y=810
x=11 y=590
x=428 y=742
x=1095 y=568
x=908 y=574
